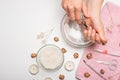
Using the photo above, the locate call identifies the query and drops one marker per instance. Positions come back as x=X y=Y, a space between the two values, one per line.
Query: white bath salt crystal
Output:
x=50 y=58
x=75 y=33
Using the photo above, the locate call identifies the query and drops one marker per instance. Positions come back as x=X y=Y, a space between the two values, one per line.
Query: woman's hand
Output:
x=95 y=32
x=74 y=9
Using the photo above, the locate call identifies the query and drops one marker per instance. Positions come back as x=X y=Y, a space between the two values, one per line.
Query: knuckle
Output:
x=78 y=21
x=78 y=8
x=71 y=8
x=85 y=32
x=64 y=6
x=93 y=35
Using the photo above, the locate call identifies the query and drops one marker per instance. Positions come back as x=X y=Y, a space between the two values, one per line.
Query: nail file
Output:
x=106 y=52
x=94 y=70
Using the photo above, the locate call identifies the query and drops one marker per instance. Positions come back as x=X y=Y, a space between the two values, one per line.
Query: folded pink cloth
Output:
x=112 y=30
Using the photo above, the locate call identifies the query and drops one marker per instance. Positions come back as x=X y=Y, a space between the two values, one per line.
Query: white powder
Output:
x=50 y=57
x=74 y=33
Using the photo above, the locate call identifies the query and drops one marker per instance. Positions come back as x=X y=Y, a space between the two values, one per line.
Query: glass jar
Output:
x=72 y=33
x=50 y=57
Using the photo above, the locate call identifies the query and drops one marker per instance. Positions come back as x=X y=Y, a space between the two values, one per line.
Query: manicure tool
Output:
x=94 y=70
x=112 y=64
x=86 y=26
x=84 y=22
x=106 y=52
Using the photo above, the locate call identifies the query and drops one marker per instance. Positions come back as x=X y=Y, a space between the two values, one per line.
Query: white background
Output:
x=20 y=23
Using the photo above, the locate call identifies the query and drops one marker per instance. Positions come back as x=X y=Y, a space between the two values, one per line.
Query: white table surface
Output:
x=20 y=23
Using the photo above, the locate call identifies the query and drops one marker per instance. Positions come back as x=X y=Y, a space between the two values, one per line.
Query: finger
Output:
x=97 y=38
x=78 y=14
x=88 y=22
x=102 y=36
x=89 y=33
x=84 y=10
x=85 y=33
x=65 y=6
x=93 y=36
x=99 y=28
x=71 y=12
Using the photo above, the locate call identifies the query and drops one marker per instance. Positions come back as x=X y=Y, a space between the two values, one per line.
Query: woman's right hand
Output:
x=75 y=9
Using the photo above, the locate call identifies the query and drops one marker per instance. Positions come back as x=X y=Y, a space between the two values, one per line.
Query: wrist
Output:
x=94 y=8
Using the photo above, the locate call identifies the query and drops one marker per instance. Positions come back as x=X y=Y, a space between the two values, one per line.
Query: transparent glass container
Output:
x=50 y=57
x=72 y=33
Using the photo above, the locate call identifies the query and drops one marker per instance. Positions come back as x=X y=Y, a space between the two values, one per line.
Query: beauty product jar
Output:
x=50 y=57
x=72 y=33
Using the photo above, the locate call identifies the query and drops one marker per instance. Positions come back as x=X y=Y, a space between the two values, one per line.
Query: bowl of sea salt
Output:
x=72 y=33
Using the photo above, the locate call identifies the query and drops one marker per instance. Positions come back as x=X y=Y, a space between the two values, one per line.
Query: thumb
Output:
x=84 y=10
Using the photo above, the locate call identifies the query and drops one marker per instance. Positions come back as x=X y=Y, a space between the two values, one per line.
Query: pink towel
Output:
x=113 y=45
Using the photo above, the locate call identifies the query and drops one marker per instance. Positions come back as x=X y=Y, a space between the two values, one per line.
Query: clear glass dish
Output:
x=50 y=57
x=72 y=33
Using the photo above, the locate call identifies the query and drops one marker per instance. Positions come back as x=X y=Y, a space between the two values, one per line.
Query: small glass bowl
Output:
x=47 y=59
x=72 y=33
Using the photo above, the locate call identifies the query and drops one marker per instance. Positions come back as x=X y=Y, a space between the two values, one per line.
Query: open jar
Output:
x=72 y=33
x=50 y=57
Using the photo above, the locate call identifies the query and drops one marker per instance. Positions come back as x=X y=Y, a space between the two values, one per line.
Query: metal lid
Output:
x=72 y=33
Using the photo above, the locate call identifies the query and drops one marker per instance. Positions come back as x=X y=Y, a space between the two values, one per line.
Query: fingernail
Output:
x=93 y=31
x=103 y=43
x=72 y=18
x=90 y=27
x=98 y=42
x=93 y=41
x=79 y=22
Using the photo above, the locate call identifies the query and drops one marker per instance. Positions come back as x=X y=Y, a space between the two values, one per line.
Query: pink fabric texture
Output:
x=113 y=46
